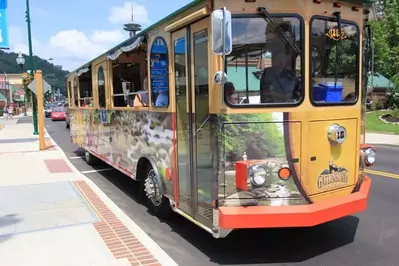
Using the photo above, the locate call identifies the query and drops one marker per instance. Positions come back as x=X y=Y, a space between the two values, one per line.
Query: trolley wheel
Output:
x=157 y=203
x=90 y=158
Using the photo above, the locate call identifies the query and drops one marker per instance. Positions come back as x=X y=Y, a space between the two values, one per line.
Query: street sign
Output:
x=32 y=86
x=4 y=41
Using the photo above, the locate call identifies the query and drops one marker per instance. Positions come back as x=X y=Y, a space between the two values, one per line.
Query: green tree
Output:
x=386 y=38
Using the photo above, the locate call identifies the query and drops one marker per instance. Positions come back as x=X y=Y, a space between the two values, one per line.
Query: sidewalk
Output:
x=51 y=214
x=384 y=139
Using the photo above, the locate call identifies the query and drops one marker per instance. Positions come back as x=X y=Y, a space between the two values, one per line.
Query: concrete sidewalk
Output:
x=384 y=139
x=51 y=214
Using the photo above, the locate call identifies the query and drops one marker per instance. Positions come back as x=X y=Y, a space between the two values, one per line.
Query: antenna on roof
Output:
x=132 y=27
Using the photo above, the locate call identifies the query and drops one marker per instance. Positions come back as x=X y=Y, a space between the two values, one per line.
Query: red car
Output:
x=58 y=114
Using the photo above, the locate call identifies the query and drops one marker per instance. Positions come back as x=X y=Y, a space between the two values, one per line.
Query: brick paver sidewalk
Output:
x=51 y=214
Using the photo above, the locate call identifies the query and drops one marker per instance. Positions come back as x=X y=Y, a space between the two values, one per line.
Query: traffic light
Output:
x=27 y=16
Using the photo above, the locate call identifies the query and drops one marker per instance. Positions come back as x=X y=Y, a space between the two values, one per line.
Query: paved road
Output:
x=370 y=238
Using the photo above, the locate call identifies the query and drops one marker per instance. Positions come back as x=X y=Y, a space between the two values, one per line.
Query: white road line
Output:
x=96 y=171
x=76 y=157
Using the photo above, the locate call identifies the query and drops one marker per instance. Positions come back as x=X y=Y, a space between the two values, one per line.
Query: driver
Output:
x=278 y=83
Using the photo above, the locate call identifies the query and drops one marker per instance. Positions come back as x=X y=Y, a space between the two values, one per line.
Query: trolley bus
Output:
x=235 y=114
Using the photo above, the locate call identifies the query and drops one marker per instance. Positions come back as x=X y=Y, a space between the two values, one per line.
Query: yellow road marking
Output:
x=374 y=172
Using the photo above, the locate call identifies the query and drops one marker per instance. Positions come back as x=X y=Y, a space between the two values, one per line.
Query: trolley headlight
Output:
x=258 y=176
x=369 y=156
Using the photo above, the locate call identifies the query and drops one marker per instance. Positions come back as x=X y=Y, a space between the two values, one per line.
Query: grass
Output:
x=375 y=125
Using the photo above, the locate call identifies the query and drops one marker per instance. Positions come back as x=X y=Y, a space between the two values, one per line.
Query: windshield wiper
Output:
x=283 y=36
x=338 y=50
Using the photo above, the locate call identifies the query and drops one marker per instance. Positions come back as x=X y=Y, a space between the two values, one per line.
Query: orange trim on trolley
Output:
x=123 y=170
x=295 y=216
x=365 y=146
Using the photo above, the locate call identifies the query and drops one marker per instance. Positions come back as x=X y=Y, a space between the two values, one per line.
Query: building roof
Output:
x=15 y=87
x=2 y=97
x=236 y=75
x=378 y=81
x=361 y=1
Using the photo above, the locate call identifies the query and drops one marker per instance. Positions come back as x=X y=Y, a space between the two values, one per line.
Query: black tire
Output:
x=162 y=208
x=67 y=125
x=90 y=158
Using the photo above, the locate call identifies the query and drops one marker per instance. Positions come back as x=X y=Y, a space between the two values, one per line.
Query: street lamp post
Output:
x=21 y=62
x=32 y=68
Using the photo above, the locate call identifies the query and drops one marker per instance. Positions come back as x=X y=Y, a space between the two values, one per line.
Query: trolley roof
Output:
x=176 y=13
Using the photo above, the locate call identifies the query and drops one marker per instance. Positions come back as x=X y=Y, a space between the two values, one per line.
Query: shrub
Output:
x=376 y=105
x=395 y=113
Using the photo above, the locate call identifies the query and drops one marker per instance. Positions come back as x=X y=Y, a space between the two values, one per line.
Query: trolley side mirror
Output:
x=221 y=32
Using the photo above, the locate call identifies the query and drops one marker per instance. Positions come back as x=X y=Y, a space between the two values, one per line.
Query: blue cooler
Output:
x=328 y=92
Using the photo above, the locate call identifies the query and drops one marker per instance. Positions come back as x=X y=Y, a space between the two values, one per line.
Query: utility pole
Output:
x=32 y=69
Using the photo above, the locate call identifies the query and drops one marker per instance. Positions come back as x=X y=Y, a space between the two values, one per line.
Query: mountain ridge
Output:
x=53 y=74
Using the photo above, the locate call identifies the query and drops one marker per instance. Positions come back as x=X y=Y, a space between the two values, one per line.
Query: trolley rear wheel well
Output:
x=141 y=169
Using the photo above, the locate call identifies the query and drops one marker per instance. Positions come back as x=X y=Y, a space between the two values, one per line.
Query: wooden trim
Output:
x=197 y=15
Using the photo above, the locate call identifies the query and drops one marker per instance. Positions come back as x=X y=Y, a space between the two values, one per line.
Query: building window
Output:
x=159 y=73
x=101 y=87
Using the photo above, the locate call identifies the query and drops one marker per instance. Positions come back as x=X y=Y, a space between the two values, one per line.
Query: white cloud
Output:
x=69 y=48
x=123 y=14
x=72 y=48
x=39 y=10
x=113 y=36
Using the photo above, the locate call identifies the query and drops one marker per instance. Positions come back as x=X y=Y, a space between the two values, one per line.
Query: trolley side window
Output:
x=159 y=73
x=101 y=87
x=129 y=78
x=70 y=102
x=334 y=64
x=265 y=66
x=75 y=92
x=86 y=89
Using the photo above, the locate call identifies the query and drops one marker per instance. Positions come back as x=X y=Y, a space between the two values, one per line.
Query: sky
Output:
x=73 y=32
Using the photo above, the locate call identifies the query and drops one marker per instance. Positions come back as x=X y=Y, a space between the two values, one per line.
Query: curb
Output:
x=147 y=241
x=386 y=144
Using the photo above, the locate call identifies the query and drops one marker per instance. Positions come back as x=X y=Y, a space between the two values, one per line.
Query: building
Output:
x=377 y=87
x=12 y=83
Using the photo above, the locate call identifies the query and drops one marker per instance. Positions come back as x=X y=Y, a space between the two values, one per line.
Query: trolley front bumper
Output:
x=295 y=216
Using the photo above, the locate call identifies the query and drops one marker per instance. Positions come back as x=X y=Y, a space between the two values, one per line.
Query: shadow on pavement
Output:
x=7 y=225
x=258 y=246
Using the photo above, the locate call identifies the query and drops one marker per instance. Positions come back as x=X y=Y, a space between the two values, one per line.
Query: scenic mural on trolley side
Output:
x=123 y=137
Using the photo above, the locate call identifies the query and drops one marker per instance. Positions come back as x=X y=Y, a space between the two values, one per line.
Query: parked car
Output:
x=47 y=110
x=58 y=113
